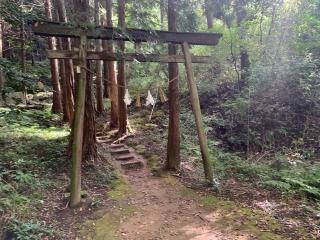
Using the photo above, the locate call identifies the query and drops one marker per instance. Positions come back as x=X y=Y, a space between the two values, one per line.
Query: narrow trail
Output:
x=163 y=212
x=159 y=208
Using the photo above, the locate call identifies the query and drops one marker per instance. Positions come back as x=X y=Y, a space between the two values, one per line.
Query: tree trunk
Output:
x=209 y=14
x=90 y=153
x=173 y=147
x=162 y=12
x=1 y=56
x=99 y=63
x=23 y=50
x=112 y=81
x=68 y=78
x=57 y=103
x=241 y=15
x=23 y=43
x=121 y=74
x=106 y=83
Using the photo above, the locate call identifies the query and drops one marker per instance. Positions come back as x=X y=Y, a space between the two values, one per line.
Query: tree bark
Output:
x=241 y=15
x=209 y=14
x=122 y=108
x=23 y=42
x=57 y=103
x=2 y=80
x=68 y=78
x=173 y=147
x=111 y=76
x=162 y=12
x=99 y=63
x=90 y=153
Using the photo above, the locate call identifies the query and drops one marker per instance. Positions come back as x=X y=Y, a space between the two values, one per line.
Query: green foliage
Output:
x=12 y=11
x=30 y=158
x=29 y=230
x=18 y=81
x=301 y=178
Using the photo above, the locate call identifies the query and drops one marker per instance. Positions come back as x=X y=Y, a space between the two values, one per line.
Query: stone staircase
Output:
x=124 y=156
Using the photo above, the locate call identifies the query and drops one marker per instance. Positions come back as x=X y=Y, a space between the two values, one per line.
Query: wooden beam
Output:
x=77 y=131
x=130 y=34
x=197 y=114
x=130 y=57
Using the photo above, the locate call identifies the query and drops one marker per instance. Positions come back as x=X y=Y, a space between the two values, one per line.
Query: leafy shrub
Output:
x=29 y=230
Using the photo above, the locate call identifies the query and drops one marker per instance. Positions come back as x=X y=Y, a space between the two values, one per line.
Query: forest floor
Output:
x=150 y=204
x=144 y=206
x=131 y=204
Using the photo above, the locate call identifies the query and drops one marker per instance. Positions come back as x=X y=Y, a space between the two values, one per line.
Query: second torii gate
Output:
x=54 y=29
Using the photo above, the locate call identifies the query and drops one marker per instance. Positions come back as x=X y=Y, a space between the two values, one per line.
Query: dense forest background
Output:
x=261 y=93
x=260 y=96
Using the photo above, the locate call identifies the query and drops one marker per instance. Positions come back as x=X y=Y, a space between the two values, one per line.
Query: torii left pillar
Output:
x=77 y=138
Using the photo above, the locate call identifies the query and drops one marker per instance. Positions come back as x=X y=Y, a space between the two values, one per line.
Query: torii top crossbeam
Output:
x=57 y=29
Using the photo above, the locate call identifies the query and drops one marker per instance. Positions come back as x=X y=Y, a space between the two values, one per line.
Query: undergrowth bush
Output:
x=302 y=178
x=287 y=170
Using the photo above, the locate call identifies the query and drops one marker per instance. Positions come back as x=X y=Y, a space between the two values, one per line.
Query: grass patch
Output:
x=107 y=226
x=120 y=189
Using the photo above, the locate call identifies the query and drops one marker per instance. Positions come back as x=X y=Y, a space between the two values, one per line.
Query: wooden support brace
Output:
x=78 y=122
x=197 y=114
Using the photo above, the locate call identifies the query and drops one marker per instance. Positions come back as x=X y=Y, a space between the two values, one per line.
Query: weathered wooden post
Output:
x=197 y=114
x=78 y=125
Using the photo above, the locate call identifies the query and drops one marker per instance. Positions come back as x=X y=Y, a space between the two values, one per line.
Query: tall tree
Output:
x=99 y=67
x=122 y=108
x=208 y=12
x=22 y=39
x=57 y=103
x=89 y=145
x=1 y=56
x=67 y=77
x=173 y=147
x=241 y=15
x=90 y=153
x=111 y=75
x=162 y=12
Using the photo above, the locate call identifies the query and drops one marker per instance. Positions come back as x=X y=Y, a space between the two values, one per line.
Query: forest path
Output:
x=164 y=212
x=147 y=207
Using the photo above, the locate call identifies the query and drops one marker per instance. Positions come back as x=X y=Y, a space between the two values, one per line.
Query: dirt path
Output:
x=164 y=212
x=146 y=207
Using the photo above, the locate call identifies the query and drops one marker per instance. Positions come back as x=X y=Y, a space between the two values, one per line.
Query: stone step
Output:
x=125 y=157
x=102 y=137
x=106 y=141
x=133 y=164
x=115 y=146
x=120 y=151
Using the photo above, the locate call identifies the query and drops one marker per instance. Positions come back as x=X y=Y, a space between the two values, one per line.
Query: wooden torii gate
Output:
x=55 y=29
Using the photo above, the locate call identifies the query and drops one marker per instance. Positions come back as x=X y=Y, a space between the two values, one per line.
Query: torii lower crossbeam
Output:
x=130 y=57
